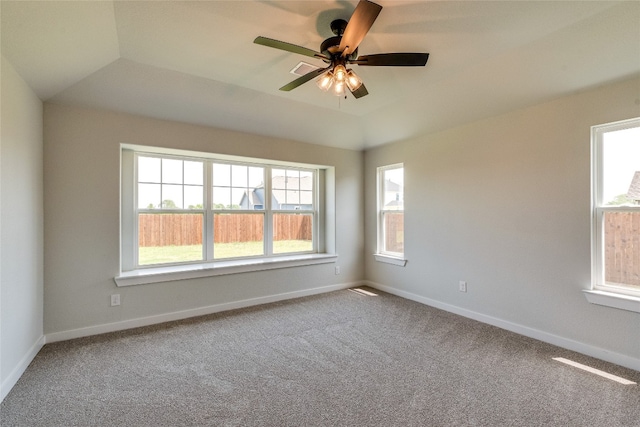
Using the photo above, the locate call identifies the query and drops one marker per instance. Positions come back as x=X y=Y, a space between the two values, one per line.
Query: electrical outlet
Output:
x=462 y=286
x=115 y=300
x=337 y=270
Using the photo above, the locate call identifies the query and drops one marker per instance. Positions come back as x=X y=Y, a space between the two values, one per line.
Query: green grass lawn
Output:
x=173 y=254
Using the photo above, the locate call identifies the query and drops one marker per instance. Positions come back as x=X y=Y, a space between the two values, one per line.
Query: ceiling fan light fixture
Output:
x=325 y=81
x=342 y=50
x=353 y=81
x=339 y=88
x=339 y=73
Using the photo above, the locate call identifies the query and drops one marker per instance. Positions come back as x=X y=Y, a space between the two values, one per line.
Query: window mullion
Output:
x=301 y=222
x=136 y=214
x=208 y=211
x=268 y=212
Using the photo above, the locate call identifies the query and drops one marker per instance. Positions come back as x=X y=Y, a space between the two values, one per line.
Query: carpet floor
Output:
x=336 y=359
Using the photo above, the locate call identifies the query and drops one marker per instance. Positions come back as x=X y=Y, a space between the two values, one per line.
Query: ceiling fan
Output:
x=341 y=50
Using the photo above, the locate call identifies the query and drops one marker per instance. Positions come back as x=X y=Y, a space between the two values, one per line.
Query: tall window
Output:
x=616 y=207
x=391 y=210
x=190 y=210
x=170 y=210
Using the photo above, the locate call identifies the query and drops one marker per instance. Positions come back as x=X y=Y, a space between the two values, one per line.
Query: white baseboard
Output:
x=185 y=314
x=16 y=373
x=589 y=350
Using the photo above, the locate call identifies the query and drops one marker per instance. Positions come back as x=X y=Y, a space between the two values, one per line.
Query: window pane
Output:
x=221 y=197
x=393 y=231
x=238 y=235
x=193 y=196
x=171 y=171
x=148 y=169
x=306 y=180
x=306 y=200
x=256 y=177
x=221 y=174
x=394 y=189
x=169 y=238
x=193 y=173
x=620 y=162
x=171 y=196
x=238 y=197
x=292 y=198
x=292 y=189
x=278 y=178
x=239 y=176
x=292 y=233
x=622 y=248
x=148 y=196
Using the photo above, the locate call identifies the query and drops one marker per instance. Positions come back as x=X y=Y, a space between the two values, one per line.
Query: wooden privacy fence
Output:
x=394 y=232
x=186 y=229
x=622 y=247
x=621 y=230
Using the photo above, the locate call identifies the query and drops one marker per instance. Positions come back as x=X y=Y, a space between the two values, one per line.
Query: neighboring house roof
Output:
x=286 y=191
x=391 y=186
x=634 y=188
x=394 y=203
x=257 y=197
x=281 y=182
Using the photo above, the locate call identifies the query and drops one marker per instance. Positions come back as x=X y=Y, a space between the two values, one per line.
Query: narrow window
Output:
x=170 y=212
x=238 y=211
x=391 y=210
x=293 y=202
x=616 y=207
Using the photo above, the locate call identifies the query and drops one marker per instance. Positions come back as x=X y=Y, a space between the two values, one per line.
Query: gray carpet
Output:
x=337 y=359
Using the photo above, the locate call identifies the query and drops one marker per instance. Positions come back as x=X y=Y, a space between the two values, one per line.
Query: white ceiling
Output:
x=196 y=61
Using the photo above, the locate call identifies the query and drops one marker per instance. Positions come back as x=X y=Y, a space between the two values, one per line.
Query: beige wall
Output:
x=82 y=175
x=504 y=204
x=21 y=228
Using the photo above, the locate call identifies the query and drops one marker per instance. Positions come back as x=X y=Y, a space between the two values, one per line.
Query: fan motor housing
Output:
x=330 y=46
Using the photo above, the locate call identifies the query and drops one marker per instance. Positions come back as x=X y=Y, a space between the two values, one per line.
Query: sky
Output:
x=621 y=159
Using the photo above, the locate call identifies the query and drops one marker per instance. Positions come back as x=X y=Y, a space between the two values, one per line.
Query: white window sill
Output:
x=218 y=268
x=390 y=260
x=612 y=299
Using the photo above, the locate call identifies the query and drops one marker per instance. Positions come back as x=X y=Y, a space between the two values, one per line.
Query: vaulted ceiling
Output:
x=196 y=61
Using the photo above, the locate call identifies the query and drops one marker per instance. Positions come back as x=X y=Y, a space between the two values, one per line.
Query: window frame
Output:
x=161 y=211
x=600 y=292
x=382 y=254
x=323 y=225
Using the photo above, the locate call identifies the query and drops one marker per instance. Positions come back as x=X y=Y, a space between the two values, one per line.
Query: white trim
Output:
x=589 y=350
x=218 y=268
x=380 y=209
x=162 y=151
x=16 y=373
x=194 y=312
x=613 y=299
x=390 y=260
x=131 y=271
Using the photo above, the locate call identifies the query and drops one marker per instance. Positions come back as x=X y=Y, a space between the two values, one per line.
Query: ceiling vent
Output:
x=303 y=68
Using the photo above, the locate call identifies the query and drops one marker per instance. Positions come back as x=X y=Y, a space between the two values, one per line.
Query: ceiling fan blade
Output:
x=360 y=92
x=302 y=80
x=361 y=21
x=264 y=41
x=393 y=60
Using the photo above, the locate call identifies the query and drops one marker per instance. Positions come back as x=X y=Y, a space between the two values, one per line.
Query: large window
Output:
x=183 y=209
x=616 y=207
x=391 y=210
